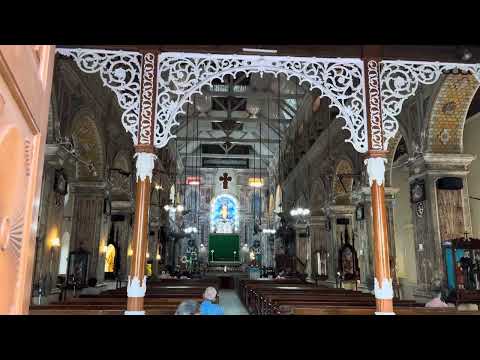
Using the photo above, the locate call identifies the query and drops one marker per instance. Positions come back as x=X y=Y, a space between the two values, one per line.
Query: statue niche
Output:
x=348 y=260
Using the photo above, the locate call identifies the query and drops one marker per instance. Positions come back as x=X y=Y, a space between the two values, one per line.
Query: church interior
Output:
x=296 y=181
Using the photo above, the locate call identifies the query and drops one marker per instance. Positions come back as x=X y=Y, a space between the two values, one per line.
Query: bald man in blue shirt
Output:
x=207 y=307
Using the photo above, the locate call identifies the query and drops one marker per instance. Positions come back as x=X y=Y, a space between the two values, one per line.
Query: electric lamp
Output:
x=56 y=242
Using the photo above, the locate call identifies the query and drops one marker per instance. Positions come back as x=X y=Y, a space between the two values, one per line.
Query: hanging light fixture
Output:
x=255 y=182
x=299 y=212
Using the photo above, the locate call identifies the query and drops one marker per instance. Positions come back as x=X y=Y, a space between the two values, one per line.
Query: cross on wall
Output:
x=225 y=179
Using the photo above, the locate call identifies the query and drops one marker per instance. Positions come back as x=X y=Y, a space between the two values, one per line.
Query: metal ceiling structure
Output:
x=252 y=112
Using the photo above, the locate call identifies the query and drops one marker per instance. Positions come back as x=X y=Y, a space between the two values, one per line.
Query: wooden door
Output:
x=25 y=85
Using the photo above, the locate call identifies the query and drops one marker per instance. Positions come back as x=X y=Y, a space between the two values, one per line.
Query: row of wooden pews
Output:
x=292 y=296
x=162 y=297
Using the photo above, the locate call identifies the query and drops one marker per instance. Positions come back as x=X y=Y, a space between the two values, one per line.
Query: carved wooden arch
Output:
x=85 y=117
x=448 y=113
x=181 y=75
x=400 y=80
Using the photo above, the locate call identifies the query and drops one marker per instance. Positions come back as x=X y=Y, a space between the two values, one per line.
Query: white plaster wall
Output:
x=404 y=230
x=472 y=146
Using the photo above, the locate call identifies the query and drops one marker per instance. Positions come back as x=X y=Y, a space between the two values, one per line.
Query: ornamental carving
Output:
x=374 y=106
x=181 y=75
x=148 y=104
x=121 y=72
x=400 y=80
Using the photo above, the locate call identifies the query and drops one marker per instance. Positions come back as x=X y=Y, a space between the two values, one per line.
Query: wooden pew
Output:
x=162 y=298
x=339 y=310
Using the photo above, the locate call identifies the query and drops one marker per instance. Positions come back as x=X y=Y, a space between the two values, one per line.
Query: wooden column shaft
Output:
x=140 y=240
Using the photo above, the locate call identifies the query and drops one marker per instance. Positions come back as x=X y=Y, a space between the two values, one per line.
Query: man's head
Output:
x=188 y=307
x=92 y=282
x=210 y=293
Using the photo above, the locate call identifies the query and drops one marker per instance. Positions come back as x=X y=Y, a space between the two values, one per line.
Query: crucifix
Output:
x=225 y=178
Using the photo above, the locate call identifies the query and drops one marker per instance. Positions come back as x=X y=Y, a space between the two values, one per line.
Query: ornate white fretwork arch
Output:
x=400 y=80
x=121 y=71
x=181 y=75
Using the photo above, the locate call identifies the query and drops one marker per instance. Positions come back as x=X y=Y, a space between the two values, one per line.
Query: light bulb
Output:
x=167 y=207
x=180 y=208
x=56 y=242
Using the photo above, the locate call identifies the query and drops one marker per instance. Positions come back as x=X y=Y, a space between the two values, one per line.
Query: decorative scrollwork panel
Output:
x=121 y=71
x=401 y=79
x=181 y=75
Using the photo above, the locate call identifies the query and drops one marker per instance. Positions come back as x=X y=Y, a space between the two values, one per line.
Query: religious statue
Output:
x=110 y=259
x=459 y=276
x=477 y=271
x=348 y=261
x=224 y=211
x=466 y=264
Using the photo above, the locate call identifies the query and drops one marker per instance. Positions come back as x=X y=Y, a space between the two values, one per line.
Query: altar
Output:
x=224 y=248
x=223 y=241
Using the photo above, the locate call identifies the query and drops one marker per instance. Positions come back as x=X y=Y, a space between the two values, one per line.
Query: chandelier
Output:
x=297 y=212
x=269 y=231
x=179 y=208
x=190 y=230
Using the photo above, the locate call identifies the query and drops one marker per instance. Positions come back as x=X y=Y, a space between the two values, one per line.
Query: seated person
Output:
x=164 y=275
x=437 y=301
x=207 y=307
x=184 y=275
x=91 y=289
x=187 y=307
x=281 y=275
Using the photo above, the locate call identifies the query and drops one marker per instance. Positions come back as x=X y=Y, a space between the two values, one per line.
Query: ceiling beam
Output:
x=221 y=118
x=249 y=94
x=391 y=52
x=229 y=156
x=222 y=140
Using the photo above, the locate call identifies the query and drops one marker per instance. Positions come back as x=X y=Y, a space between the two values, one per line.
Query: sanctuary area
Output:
x=293 y=180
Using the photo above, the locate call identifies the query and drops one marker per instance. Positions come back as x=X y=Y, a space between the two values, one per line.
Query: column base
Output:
x=384 y=313
x=134 y=312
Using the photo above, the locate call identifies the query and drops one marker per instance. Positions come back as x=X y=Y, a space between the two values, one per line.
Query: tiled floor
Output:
x=231 y=303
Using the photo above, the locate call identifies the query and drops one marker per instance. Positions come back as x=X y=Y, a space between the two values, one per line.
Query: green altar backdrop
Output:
x=224 y=246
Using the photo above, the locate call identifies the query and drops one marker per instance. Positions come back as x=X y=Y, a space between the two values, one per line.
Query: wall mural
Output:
x=224 y=215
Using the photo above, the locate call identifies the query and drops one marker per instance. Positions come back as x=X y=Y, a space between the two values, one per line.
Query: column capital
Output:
x=441 y=165
x=390 y=192
x=145 y=164
x=342 y=209
x=376 y=170
x=89 y=187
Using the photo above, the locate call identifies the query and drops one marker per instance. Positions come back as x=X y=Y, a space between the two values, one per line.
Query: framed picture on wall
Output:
x=360 y=213
x=60 y=182
x=107 y=206
x=417 y=191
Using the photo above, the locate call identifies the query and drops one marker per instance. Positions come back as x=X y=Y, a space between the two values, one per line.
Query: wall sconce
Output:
x=148 y=255
x=55 y=242
x=130 y=252
x=158 y=257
